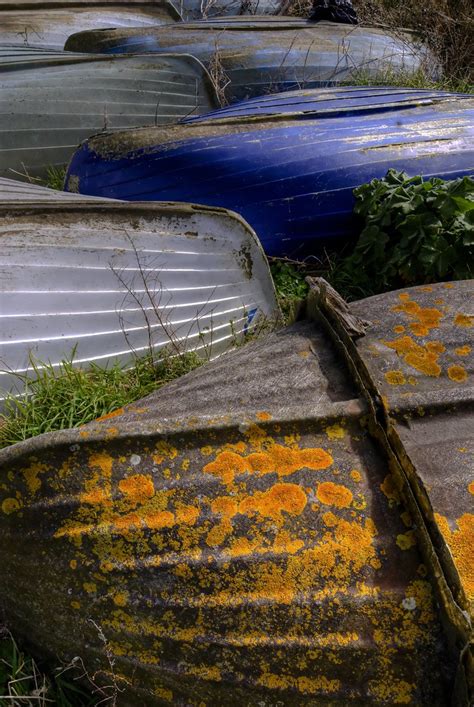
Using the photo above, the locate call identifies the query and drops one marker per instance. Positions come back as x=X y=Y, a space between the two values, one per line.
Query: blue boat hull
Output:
x=290 y=174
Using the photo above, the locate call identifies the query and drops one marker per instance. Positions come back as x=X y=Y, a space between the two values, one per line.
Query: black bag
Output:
x=334 y=11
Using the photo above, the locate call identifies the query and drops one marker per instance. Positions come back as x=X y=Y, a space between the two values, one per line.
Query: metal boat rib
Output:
x=114 y=280
x=287 y=163
x=258 y=55
x=53 y=100
x=50 y=23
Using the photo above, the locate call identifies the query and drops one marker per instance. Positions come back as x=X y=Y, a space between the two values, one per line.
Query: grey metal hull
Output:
x=49 y=24
x=197 y=9
x=258 y=55
x=116 y=280
x=51 y=101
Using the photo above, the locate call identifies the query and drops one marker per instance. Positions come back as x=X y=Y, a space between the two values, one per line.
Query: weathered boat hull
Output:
x=53 y=100
x=114 y=281
x=287 y=163
x=273 y=553
x=49 y=24
x=258 y=55
x=198 y=9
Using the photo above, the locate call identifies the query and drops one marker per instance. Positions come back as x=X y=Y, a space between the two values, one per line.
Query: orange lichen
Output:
x=263 y=416
x=10 y=505
x=416 y=356
x=457 y=373
x=461 y=544
x=395 y=378
x=120 y=598
x=436 y=347
x=31 y=475
x=103 y=461
x=164 y=451
x=399 y=329
x=463 y=350
x=276 y=459
x=471 y=488
x=425 y=318
x=289 y=498
x=356 y=475
x=110 y=415
x=464 y=320
x=137 y=488
x=160 y=519
x=73 y=564
x=332 y=494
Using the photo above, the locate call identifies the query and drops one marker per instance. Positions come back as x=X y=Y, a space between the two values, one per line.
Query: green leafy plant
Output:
x=290 y=285
x=414 y=232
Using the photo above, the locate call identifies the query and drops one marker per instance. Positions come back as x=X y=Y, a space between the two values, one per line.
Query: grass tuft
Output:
x=55 y=178
x=411 y=79
x=70 y=396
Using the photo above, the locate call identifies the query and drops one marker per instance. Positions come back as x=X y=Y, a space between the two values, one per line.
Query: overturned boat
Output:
x=287 y=163
x=203 y=9
x=112 y=281
x=312 y=545
x=52 y=100
x=251 y=56
x=48 y=23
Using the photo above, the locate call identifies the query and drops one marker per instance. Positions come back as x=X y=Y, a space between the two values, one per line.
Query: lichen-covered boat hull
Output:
x=269 y=553
x=287 y=163
x=113 y=281
x=52 y=100
x=48 y=23
x=259 y=55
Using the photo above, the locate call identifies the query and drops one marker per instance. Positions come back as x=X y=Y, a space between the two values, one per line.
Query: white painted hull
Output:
x=114 y=280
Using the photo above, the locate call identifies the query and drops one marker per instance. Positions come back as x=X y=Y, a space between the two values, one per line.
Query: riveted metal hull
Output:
x=49 y=24
x=275 y=552
x=114 y=281
x=255 y=56
x=53 y=100
x=287 y=163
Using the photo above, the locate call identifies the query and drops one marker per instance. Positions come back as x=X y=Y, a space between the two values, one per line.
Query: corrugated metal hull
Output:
x=261 y=55
x=50 y=24
x=291 y=176
x=117 y=279
x=13 y=190
x=52 y=100
x=263 y=555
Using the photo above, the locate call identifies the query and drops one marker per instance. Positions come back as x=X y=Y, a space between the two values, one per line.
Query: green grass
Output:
x=410 y=79
x=23 y=681
x=70 y=396
x=55 y=178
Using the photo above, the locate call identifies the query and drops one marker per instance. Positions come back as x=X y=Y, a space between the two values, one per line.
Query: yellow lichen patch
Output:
x=304 y=685
x=335 y=431
x=424 y=318
x=407 y=520
x=110 y=415
x=416 y=356
x=406 y=540
x=464 y=320
x=120 y=598
x=461 y=544
x=395 y=378
x=164 y=694
x=137 y=488
x=10 y=505
x=90 y=587
x=356 y=476
x=436 y=347
x=399 y=329
x=31 y=475
x=103 y=461
x=463 y=350
x=76 y=604
x=389 y=489
x=457 y=374
x=332 y=494
x=73 y=564
x=448 y=286
x=289 y=498
x=393 y=692
x=164 y=451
